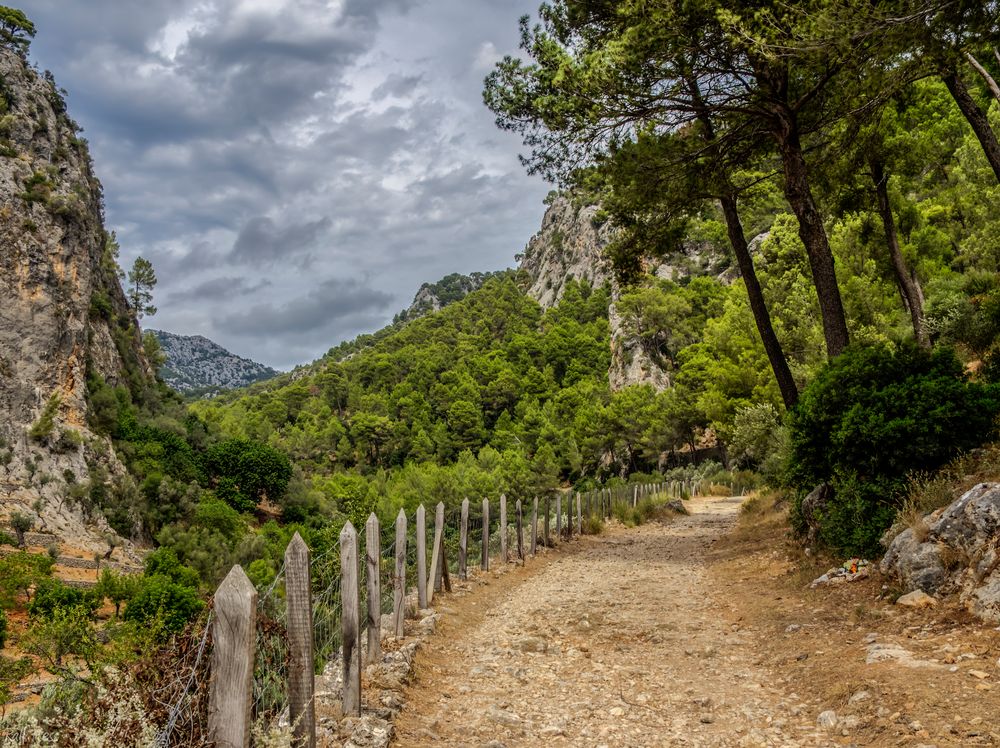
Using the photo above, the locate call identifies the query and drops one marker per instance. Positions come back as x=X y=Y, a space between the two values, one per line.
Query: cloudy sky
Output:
x=294 y=169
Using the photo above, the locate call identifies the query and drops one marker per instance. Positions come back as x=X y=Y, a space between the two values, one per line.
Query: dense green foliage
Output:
x=872 y=417
x=245 y=472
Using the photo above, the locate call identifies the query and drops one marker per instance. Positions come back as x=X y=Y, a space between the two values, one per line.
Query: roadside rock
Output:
x=917 y=565
x=917 y=599
x=827 y=720
x=960 y=553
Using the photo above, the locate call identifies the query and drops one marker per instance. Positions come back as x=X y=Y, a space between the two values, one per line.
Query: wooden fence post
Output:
x=503 y=528
x=579 y=516
x=421 y=557
x=350 y=620
x=399 y=578
x=373 y=581
x=463 y=542
x=548 y=507
x=299 y=625
x=434 y=575
x=534 y=526
x=520 y=533
x=559 y=518
x=233 y=638
x=484 y=563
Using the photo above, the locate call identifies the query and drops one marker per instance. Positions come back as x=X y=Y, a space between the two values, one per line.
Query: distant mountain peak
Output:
x=194 y=364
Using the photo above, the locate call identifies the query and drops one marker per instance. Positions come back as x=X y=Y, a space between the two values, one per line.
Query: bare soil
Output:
x=697 y=632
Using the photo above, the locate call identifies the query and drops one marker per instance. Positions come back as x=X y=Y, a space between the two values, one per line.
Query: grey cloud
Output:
x=396 y=85
x=323 y=307
x=237 y=150
x=217 y=289
x=261 y=241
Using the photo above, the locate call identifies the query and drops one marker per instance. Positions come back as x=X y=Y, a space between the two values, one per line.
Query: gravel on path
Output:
x=619 y=642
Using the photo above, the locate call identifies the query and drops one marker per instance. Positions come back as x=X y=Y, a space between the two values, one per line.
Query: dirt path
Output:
x=623 y=641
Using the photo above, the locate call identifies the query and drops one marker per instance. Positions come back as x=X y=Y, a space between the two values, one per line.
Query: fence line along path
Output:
x=317 y=609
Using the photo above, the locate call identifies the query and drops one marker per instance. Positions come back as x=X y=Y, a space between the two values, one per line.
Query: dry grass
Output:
x=928 y=492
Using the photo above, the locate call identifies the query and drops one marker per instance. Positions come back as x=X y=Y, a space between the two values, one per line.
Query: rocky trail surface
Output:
x=623 y=640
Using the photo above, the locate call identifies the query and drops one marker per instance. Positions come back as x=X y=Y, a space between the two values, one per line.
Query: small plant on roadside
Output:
x=593 y=525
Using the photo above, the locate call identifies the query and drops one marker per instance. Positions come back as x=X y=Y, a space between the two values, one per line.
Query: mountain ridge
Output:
x=197 y=365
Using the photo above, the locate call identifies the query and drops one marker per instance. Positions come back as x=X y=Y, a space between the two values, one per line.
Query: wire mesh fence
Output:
x=181 y=704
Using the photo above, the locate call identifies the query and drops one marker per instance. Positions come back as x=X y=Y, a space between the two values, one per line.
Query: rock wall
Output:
x=62 y=308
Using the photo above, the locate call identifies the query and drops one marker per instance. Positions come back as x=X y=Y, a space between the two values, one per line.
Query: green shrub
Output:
x=3 y=629
x=52 y=595
x=870 y=418
x=593 y=525
x=41 y=429
x=162 y=601
x=164 y=562
x=100 y=305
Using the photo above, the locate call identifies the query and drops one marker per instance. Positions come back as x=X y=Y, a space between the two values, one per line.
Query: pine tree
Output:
x=142 y=280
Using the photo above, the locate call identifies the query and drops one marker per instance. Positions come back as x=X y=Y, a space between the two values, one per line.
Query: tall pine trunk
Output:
x=775 y=355
x=811 y=230
x=976 y=118
x=904 y=278
x=734 y=227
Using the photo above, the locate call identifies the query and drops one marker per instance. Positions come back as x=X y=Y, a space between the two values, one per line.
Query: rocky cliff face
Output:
x=196 y=364
x=62 y=310
x=570 y=246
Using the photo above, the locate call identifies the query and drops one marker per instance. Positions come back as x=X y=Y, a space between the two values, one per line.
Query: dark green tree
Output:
x=245 y=472
x=15 y=28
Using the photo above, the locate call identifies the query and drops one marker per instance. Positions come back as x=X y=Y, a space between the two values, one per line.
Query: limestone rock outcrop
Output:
x=570 y=246
x=955 y=551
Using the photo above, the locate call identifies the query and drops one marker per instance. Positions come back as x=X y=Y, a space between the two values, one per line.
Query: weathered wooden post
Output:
x=635 y=496
x=520 y=533
x=579 y=516
x=503 y=528
x=534 y=526
x=484 y=563
x=233 y=637
x=548 y=508
x=350 y=620
x=436 y=552
x=299 y=625
x=373 y=582
x=421 y=557
x=463 y=542
x=559 y=518
x=399 y=578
